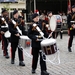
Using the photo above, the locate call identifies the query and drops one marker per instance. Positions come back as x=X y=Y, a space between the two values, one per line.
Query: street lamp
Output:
x=34 y=5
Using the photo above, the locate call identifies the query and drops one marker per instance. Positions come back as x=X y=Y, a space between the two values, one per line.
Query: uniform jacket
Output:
x=34 y=33
x=14 y=31
x=71 y=17
x=4 y=29
x=68 y=20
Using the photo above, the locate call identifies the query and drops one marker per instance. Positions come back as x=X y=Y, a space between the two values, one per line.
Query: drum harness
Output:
x=7 y=33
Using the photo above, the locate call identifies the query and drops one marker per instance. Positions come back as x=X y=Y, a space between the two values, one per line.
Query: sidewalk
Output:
x=66 y=66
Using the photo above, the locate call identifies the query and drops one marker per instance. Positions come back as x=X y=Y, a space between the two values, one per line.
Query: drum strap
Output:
x=24 y=51
x=18 y=29
x=51 y=61
x=7 y=35
x=4 y=22
x=73 y=17
x=38 y=29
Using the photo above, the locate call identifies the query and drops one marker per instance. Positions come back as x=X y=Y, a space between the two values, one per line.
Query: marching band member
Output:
x=15 y=36
x=55 y=33
x=3 y=29
x=71 y=27
x=35 y=36
x=49 y=31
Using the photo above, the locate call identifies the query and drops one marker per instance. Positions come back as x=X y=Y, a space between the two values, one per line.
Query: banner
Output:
x=69 y=5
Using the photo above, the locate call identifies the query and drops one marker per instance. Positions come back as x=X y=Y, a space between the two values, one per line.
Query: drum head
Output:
x=24 y=37
x=7 y=34
x=53 y=23
x=48 y=42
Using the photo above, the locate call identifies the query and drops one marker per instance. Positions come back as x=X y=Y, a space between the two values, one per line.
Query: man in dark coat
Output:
x=71 y=27
x=15 y=36
x=3 y=29
x=36 y=47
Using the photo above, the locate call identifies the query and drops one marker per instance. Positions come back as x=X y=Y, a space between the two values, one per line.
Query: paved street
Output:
x=66 y=66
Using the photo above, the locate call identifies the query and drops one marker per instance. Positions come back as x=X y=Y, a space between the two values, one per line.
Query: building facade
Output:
x=20 y=5
x=49 y=5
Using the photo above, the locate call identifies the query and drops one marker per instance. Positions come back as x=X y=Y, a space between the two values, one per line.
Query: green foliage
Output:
x=6 y=7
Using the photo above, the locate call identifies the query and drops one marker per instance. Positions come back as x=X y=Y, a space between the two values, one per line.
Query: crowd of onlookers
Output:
x=43 y=16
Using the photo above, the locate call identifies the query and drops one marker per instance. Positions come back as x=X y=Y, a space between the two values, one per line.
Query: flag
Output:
x=69 y=5
x=36 y=11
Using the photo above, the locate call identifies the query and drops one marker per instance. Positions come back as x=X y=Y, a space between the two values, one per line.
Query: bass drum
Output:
x=55 y=23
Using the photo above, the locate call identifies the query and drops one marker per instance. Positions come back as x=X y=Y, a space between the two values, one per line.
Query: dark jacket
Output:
x=71 y=17
x=32 y=34
x=14 y=31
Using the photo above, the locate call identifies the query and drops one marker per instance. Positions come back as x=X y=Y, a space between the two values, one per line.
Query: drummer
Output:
x=49 y=30
x=55 y=33
x=15 y=38
x=3 y=30
x=36 y=47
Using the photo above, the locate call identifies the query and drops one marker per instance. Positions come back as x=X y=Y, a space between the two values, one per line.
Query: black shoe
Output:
x=44 y=73
x=69 y=49
x=12 y=61
x=7 y=56
x=21 y=63
x=33 y=71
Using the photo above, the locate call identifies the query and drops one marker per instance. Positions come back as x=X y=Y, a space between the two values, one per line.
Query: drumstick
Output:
x=50 y=35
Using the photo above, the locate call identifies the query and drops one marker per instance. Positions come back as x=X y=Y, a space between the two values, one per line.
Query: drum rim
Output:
x=48 y=43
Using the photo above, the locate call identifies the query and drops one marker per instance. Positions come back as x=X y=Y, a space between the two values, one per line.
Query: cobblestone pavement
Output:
x=66 y=66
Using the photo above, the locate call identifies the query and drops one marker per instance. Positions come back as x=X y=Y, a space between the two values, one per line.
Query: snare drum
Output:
x=48 y=46
x=7 y=34
x=22 y=41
